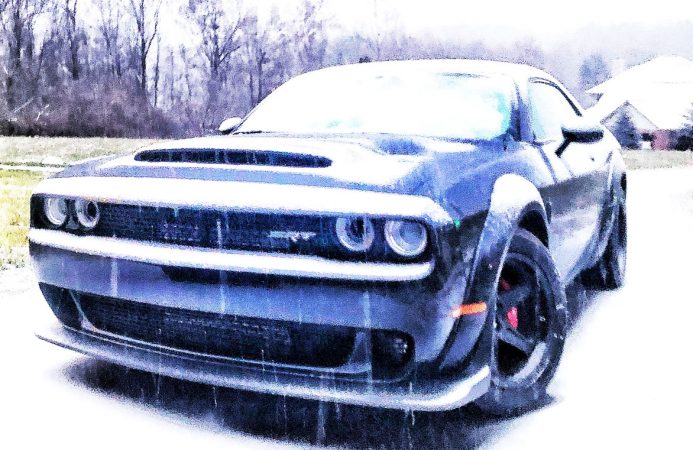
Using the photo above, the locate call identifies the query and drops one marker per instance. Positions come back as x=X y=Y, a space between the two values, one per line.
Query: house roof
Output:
x=641 y=122
x=664 y=70
x=660 y=89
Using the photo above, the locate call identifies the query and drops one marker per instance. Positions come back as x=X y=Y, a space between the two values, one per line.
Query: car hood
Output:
x=410 y=165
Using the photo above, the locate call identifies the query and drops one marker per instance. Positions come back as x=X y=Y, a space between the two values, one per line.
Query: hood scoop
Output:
x=233 y=157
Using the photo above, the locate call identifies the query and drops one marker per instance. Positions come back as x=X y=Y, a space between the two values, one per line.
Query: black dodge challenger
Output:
x=392 y=234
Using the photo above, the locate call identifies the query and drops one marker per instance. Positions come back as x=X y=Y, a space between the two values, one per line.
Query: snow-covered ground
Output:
x=624 y=380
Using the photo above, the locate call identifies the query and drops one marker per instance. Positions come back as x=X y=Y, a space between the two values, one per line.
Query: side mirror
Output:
x=229 y=125
x=582 y=131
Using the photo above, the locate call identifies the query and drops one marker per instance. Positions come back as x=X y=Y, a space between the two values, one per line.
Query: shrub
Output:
x=85 y=109
x=626 y=133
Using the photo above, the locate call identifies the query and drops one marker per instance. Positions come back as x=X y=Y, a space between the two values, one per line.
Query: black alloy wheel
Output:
x=528 y=330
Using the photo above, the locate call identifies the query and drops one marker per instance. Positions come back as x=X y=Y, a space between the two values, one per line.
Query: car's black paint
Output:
x=489 y=189
x=460 y=178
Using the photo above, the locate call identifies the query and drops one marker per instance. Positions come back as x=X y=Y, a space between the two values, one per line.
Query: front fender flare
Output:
x=512 y=198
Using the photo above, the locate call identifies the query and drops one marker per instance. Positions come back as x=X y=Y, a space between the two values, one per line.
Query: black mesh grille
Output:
x=216 y=229
x=221 y=335
x=229 y=230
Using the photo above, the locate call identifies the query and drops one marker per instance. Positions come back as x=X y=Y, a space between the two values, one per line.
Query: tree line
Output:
x=152 y=68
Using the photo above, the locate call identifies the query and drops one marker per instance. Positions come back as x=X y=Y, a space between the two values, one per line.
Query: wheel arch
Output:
x=617 y=188
x=624 y=183
x=536 y=223
x=515 y=203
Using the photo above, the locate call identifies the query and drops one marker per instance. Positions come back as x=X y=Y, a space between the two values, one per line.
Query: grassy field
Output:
x=15 y=190
x=649 y=159
x=16 y=185
x=59 y=151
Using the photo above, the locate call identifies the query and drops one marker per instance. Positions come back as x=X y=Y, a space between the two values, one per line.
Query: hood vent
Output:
x=233 y=157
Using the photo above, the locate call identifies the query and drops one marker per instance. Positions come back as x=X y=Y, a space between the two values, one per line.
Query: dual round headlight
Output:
x=405 y=237
x=88 y=213
x=56 y=212
x=356 y=234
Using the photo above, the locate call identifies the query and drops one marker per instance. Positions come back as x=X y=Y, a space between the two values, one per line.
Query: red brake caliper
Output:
x=511 y=314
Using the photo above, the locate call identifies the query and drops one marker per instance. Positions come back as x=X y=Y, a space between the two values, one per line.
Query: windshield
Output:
x=452 y=105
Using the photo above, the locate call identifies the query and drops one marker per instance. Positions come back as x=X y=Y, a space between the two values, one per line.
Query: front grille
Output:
x=228 y=230
x=217 y=229
x=222 y=335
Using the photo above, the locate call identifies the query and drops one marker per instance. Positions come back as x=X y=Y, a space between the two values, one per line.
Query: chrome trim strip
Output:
x=230 y=260
x=422 y=395
x=245 y=196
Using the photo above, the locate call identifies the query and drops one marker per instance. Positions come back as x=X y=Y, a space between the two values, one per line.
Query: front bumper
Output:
x=411 y=308
x=303 y=290
x=425 y=395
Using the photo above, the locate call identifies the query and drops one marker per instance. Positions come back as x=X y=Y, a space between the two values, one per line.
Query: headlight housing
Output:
x=88 y=213
x=355 y=234
x=405 y=237
x=55 y=211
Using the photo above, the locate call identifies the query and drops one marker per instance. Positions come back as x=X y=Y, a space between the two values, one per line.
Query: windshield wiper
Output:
x=250 y=132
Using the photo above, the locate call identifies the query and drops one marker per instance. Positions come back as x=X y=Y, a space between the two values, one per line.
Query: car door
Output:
x=576 y=199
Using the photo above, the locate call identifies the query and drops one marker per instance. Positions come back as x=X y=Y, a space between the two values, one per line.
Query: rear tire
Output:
x=528 y=331
x=610 y=270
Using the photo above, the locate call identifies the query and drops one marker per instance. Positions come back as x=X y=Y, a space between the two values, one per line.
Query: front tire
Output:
x=528 y=330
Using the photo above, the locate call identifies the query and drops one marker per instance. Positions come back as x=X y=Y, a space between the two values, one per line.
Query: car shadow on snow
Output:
x=291 y=420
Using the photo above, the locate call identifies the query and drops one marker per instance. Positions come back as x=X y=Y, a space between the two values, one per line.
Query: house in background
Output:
x=657 y=95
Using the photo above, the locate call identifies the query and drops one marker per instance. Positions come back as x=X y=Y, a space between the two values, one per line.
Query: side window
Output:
x=548 y=111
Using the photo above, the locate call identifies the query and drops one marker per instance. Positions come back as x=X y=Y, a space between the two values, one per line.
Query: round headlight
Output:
x=88 y=213
x=406 y=238
x=356 y=234
x=55 y=210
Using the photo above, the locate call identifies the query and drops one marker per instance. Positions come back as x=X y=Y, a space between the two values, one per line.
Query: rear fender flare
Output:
x=616 y=185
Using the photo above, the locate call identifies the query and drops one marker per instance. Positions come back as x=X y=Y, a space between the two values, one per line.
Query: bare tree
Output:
x=376 y=41
x=266 y=56
x=219 y=33
x=528 y=52
x=310 y=36
x=593 y=71
x=156 y=70
x=220 y=27
x=173 y=98
x=186 y=73
x=73 y=36
x=146 y=19
x=18 y=30
x=110 y=15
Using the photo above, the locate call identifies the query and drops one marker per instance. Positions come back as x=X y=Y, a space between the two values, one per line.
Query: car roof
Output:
x=467 y=66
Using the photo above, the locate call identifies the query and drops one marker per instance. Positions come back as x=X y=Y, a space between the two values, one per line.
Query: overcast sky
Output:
x=534 y=17
x=490 y=21
x=500 y=21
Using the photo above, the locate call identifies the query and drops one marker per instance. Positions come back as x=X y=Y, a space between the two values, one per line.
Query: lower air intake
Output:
x=223 y=335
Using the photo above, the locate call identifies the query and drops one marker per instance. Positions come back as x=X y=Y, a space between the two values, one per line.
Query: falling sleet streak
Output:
x=114 y=277
x=366 y=307
x=320 y=429
x=215 y=397
x=222 y=278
